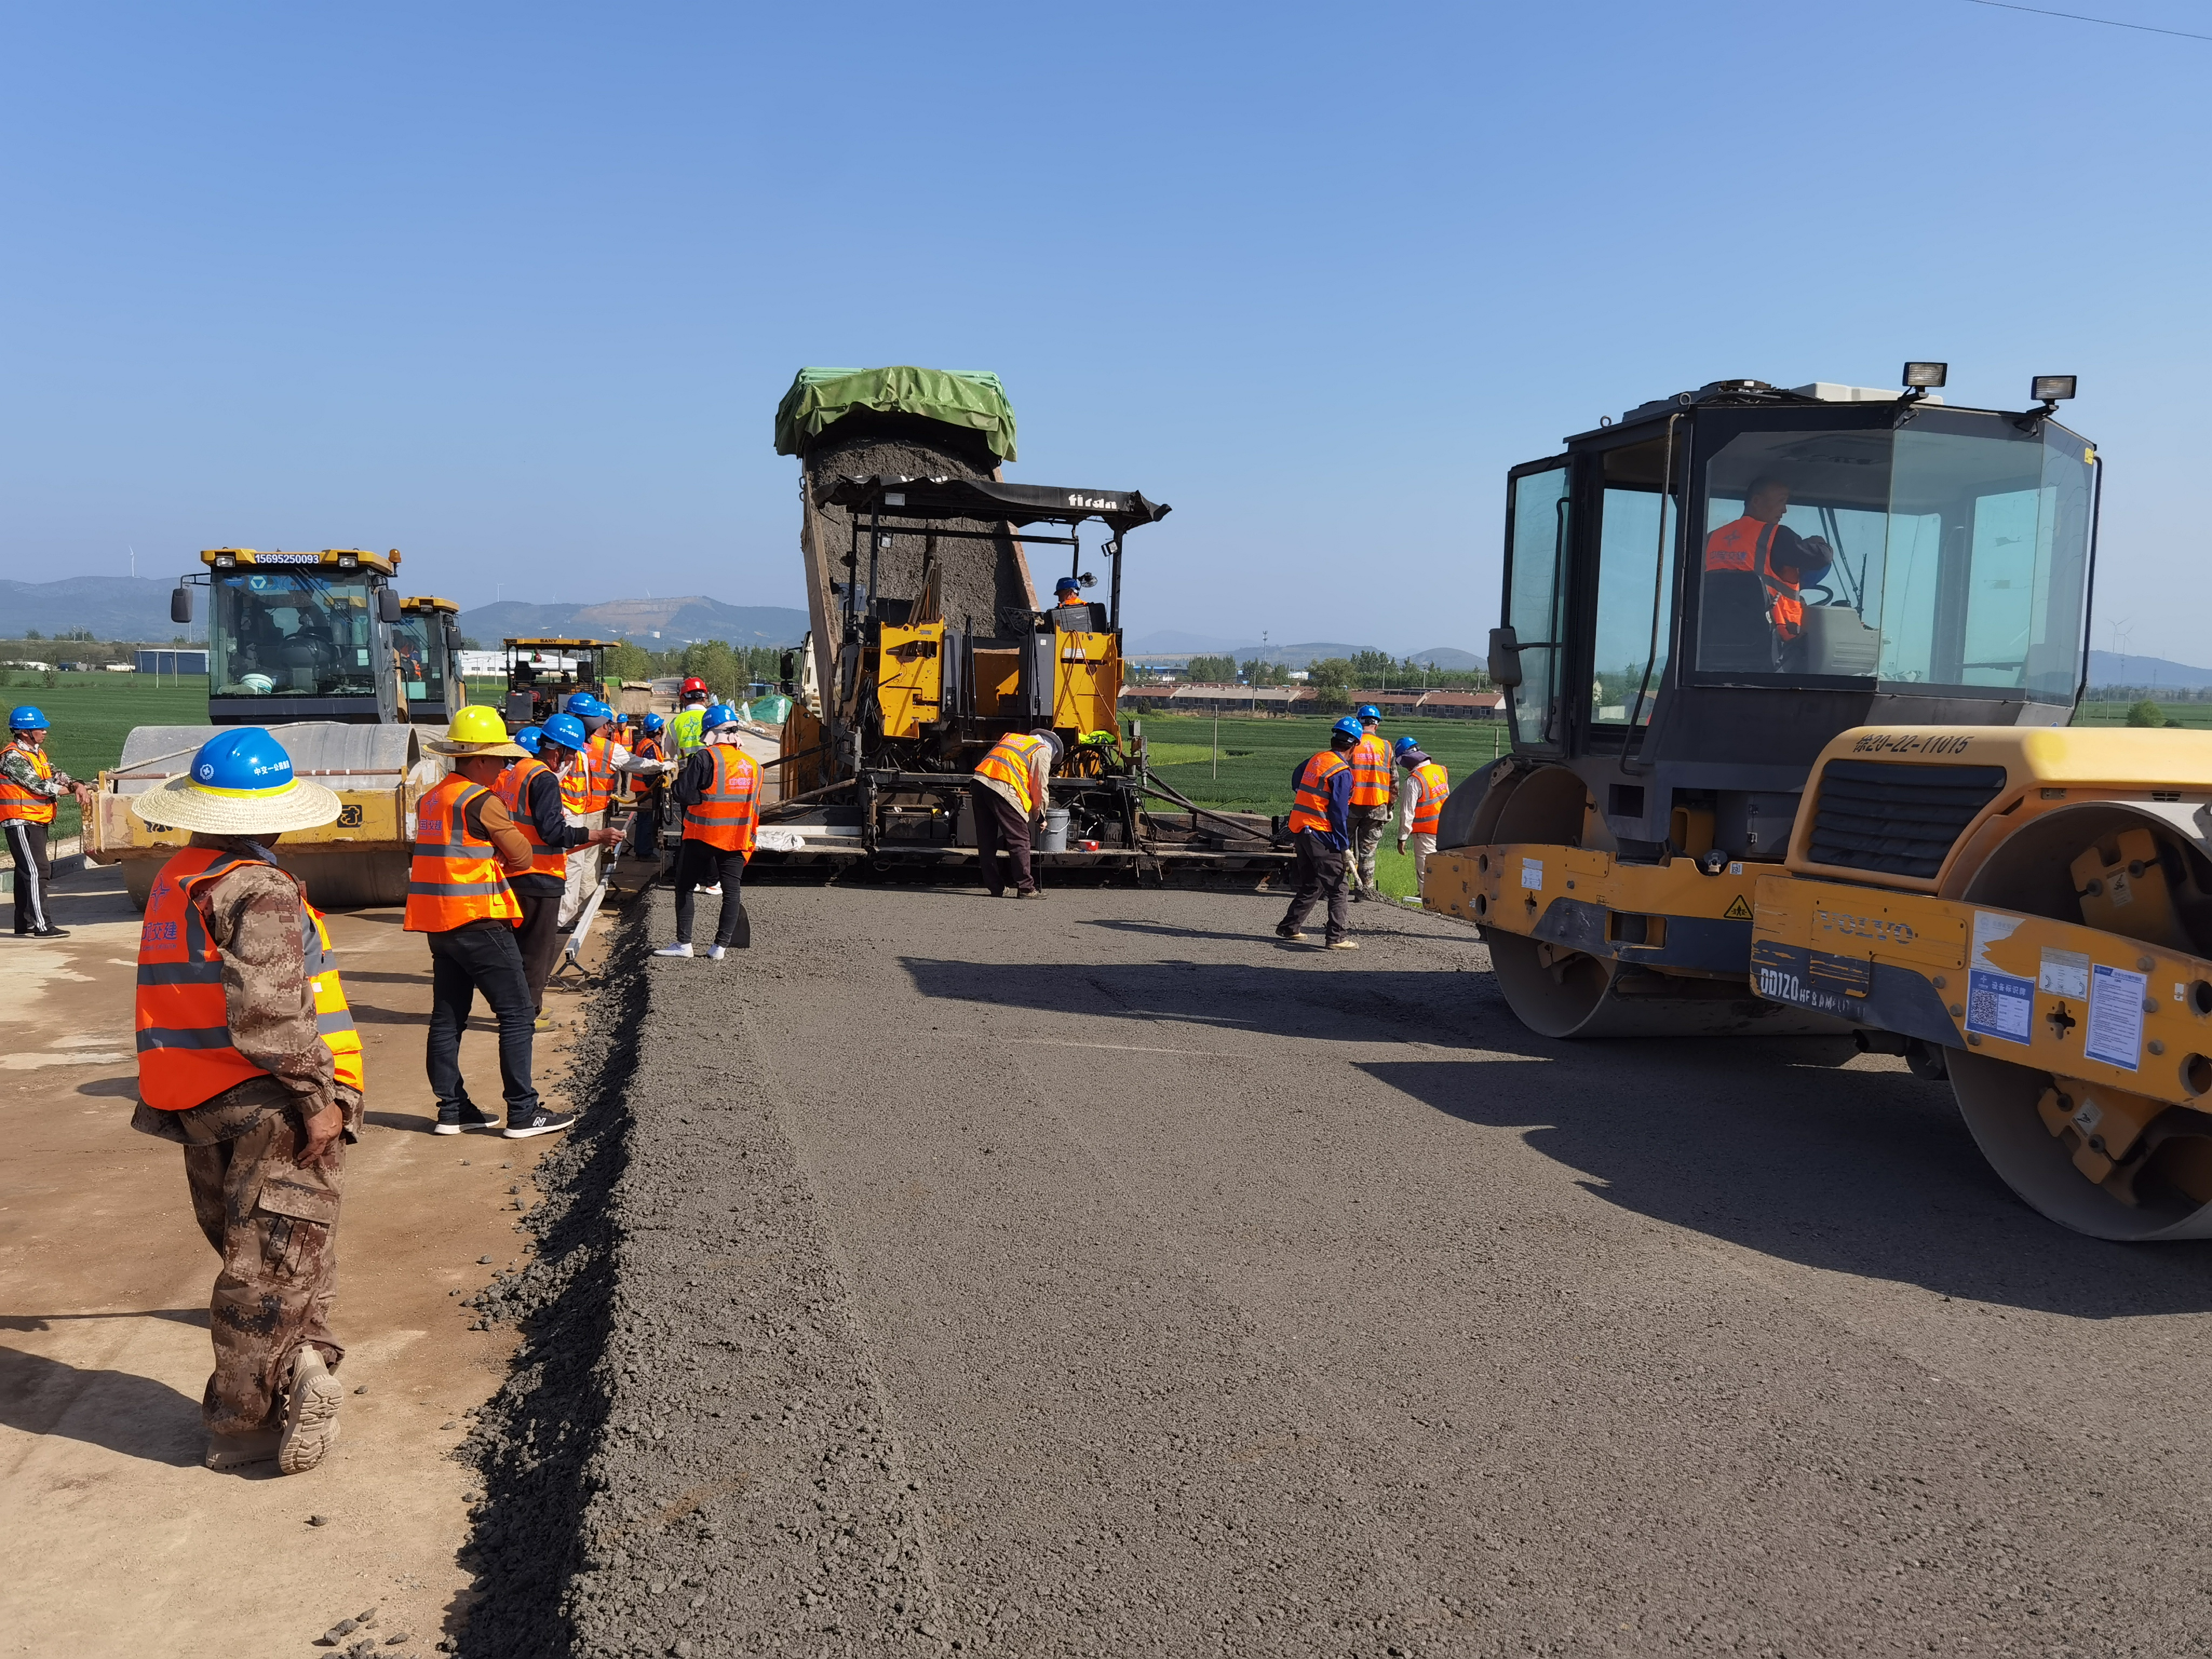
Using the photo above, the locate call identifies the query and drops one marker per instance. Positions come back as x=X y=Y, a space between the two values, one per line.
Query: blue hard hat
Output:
x=1368 y=711
x=527 y=738
x=719 y=713
x=26 y=717
x=584 y=706
x=566 y=730
x=1068 y=584
x=247 y=761
x=653 y=724
x=1348 y=727
x=1402 y=745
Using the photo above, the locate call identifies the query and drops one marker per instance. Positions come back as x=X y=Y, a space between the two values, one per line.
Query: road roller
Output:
x=1789 y=674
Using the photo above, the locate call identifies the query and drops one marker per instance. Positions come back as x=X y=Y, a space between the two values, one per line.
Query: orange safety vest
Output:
x=455 y=878
x=1371 y=772
x=1310 y=806
x=19 y=805
x=598 y=752
x=185 y=1055
x=728 y=811
x=1748 y=544
x=1008 y=762
x=645 y=748
x=514 y=788
x=1434 y=783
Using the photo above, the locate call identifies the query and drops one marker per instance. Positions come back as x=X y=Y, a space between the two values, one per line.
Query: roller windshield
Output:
x=1950 y=555
x=292 y=632
x=419 y=642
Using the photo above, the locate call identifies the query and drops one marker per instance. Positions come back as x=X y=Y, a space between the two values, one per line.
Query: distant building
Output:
x=179 y=661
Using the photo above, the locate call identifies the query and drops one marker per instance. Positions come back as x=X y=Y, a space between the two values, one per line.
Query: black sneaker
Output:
x=539 y=1122
x=48 y=933
x=452 y=1120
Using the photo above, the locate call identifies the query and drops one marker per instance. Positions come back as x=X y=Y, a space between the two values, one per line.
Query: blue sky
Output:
x=516 y=288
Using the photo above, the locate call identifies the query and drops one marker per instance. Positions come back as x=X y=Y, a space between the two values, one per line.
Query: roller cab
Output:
x=424 y=644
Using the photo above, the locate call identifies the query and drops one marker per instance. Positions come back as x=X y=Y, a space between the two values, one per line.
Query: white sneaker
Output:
x=714 y=953
x=673 y=950
x=715 y=891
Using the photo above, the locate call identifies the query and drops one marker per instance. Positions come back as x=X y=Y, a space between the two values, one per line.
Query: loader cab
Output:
x=1699 y=597
x=298 y=636
x=424 y=643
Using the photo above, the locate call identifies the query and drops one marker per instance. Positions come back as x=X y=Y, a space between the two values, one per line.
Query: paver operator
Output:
x=1321 y=823
x=531 y=794
x=248 y=1059
x=1371 y=803
x=1012 y=789
x=1422 y=787
x=1067 y=590
x=719 y=793
x=466 y=846
x=29 y=786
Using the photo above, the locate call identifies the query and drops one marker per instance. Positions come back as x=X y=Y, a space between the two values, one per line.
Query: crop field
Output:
x=1255 y=758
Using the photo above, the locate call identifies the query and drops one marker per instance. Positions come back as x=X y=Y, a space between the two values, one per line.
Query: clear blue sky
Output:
x=516 y=288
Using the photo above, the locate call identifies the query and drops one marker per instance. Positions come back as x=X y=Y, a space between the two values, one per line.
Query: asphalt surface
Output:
x=1104 y=1277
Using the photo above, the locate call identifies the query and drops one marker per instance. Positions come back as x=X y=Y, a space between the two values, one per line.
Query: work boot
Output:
x=311 y=1413
x=681 y=948
x=1031 y=893
x=452 y=1120
x=1295 y=935
x=542 y=1121
x=238 y=1451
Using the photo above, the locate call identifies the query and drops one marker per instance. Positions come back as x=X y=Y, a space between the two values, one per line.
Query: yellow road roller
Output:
x=1790 y=673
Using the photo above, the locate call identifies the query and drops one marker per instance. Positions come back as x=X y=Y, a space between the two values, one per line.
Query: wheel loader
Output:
x=1789 y=675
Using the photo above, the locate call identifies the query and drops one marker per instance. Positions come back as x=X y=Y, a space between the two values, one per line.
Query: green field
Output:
x=2198 y=714
x=92 y=713
x=1252 y=771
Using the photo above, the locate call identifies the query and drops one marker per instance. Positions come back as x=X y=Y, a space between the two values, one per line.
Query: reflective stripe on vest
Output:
x=1008 y=762
x=22 y=805
x=1748 y=544
x=1310 y=806
x=728 y=813
x=1434 y=783
x=514 y=788
x=646 y=748
x=1371 y=772
x=599 y=774
x=333 y=1018
x=455 y=878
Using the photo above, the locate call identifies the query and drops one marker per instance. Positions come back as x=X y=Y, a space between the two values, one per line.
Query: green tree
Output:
x=2145 y=713
x=1212 y=668
x=1374 y=668
x=1332 y=679
x=33 y=633
x=1257 y=673
x=629 y=662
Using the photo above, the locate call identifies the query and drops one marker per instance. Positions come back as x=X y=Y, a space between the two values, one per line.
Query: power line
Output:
x=2077 y=17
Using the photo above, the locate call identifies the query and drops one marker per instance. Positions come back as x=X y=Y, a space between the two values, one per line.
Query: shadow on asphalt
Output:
x=134 y=1416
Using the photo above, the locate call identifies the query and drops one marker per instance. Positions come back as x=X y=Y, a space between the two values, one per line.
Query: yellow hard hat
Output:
x=477 y=723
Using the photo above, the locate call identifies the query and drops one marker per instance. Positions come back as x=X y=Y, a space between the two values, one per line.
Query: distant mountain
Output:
x=1446 y=656
x=1172 y=643
x=134 y=608
x=2110 y=668
x=657 y=624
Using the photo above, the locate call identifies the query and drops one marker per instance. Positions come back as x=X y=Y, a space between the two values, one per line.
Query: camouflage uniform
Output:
x=272 y=1220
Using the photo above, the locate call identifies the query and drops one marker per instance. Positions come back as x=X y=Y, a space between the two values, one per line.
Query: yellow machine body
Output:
x=335 y=558
x=1087 y=691
x=910 y=678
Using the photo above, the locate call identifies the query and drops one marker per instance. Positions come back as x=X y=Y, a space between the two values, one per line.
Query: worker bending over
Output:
x=1759 y=544
x=1422 y=789
x=29 y=785
x=719 y=791
x=1371 y=803
x=1321 y=825
x=466 y=846
x=1011 y=790
x=531 y=794
x=687 y=730
x=248 y=1059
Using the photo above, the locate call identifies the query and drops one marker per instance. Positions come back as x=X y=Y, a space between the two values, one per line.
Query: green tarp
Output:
x=961 y=397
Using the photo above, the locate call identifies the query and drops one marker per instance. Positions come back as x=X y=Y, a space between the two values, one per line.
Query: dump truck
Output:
x=426 y=640
x=929 y=643
x=303 y=644
x=1789 y=678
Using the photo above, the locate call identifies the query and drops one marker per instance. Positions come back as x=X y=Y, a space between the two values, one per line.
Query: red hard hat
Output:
x=695 y=683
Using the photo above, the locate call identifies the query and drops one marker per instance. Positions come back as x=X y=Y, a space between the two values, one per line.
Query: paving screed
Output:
x=1104 y=1276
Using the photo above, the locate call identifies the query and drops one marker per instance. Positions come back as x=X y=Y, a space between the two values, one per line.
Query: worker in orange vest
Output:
x=248 y=1059
x=1321 y=825
x=1370 y=804
x=719 y=791
x=531 y=794
x=29 y=785
x=1786 y=563
x=466 y=846
x=1010 y=792
x=1422 y=791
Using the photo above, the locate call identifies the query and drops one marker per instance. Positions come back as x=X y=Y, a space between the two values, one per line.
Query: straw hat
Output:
x=477 y=730
x=240 y=784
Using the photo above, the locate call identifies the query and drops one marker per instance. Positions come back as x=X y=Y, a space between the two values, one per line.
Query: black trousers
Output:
x=26 y=844
x=538 y=938
x=1001 y=827
x=1319 y=875
x=645 y=827
x=698 y=864
x=481 y=956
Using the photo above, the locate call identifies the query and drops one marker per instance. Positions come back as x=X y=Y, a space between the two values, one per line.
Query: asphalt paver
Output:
x=1108 y=1276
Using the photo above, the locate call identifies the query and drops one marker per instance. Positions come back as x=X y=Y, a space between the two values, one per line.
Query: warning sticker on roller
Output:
x=2065 y=973
x=1737 y=912
x=1998 y=1004
x=1531 y=873
x=2116 y=1016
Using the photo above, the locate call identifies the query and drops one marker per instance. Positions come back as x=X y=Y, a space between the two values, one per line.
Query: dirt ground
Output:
x=1105 y=1276
x=118 y=1541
